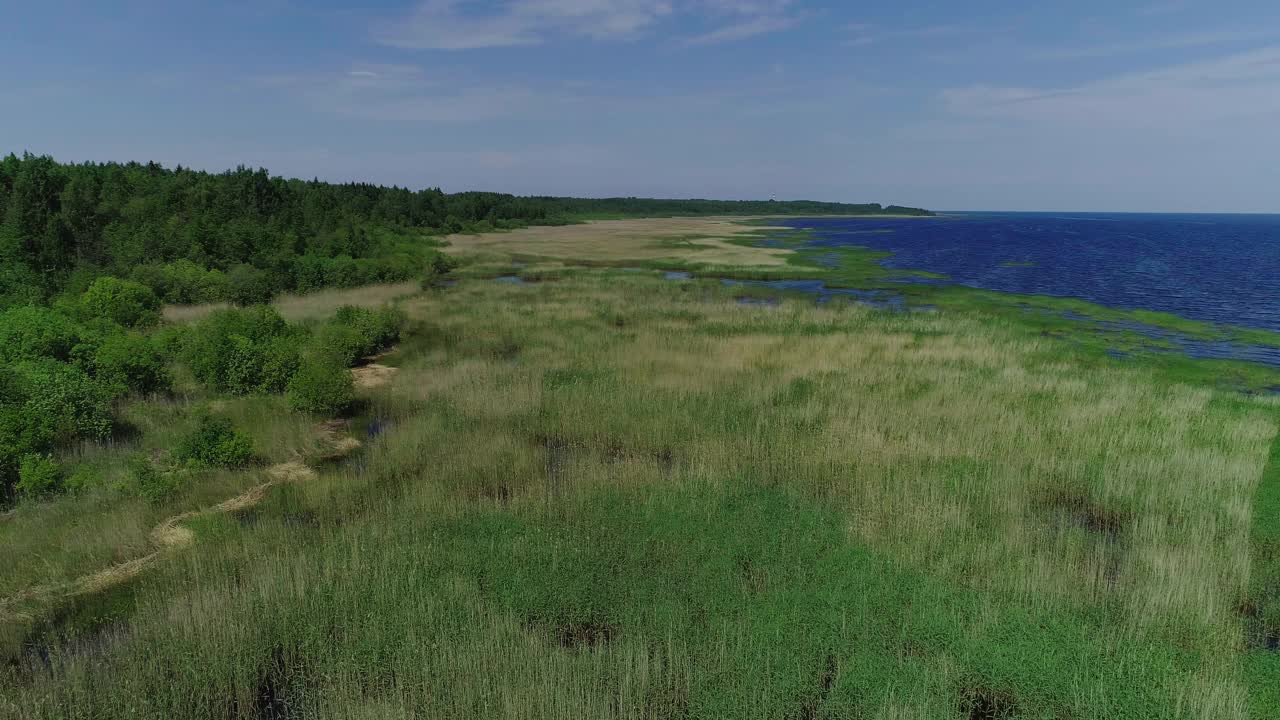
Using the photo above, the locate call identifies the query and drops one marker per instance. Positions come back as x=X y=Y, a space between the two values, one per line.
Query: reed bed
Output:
x=613 y=496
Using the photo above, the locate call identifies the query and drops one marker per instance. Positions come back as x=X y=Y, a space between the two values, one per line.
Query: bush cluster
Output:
x=250 y=350
x=184 y=282
x=63 y=369
x=378 y=329
x=123 y=302
x=243 y=351
x=45 y=404
x=214 y=443
x=313 y=272
x=322 y=385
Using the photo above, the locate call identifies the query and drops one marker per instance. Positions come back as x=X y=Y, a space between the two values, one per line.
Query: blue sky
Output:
x=1160 y=105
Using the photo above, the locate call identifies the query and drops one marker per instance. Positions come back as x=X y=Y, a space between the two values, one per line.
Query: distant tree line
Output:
x=646 y=207
x=241 y=235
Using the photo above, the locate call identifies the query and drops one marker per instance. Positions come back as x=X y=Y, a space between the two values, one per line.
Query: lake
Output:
x=1215 y=268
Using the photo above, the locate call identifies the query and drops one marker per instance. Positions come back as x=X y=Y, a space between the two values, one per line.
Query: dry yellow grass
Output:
x=693 y=240
x=1088 y=523
x=169 y=536
x=311 y=306
x=952 y=451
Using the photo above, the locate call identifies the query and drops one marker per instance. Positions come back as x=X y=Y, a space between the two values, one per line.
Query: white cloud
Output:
x=1177 y=41
x=1190 y=97
x=859 y=34
x=402 y=93
x=745 y=29
x=460 y=25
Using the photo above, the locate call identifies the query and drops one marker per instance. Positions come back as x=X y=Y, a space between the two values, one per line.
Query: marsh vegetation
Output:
x=610 y=494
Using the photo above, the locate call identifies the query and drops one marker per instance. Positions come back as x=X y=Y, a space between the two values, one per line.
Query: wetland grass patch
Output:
x=711 y=510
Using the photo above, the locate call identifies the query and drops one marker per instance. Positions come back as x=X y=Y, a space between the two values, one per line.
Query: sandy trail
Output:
x=373 y=375
x=695 y=240
x=166 y=537
x=170 y=535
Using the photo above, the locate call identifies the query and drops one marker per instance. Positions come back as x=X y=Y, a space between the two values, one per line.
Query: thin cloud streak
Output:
x=1167 y=42
x=1187 y=97
x=744 y=30
x=457 y=25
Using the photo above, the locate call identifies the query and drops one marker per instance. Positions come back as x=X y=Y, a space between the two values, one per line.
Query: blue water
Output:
x=821 y=292
x=1215 y=268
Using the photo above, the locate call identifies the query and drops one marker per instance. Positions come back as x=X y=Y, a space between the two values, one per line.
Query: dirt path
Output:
x=372 y=374
x=168 y=536
x=367 y=377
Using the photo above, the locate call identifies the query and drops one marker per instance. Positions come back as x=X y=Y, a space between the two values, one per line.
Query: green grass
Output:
x=609 y=495
x=1262 y=610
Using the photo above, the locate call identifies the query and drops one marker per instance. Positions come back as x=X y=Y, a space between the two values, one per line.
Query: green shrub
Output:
x=81 y=479
x=130 y=362
x=62 y=404
x=44 y=404
x=169 y=340
x=124 y=302
x=280 y=360
x=248 y=285
x=322 y=385
x=379 y=329
x=343 y=343
x=149 y=482
x=244 y=365
x=214 y=443
x=225 y=350
x=310 y=272
x=33 y=333
x=38 y=475
x=182 y=281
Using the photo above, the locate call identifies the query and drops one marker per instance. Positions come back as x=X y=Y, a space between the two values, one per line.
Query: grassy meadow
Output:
x=602 y=494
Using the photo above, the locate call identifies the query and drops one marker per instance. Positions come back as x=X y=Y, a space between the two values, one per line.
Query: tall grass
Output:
x=608 y=496
x=308 y=306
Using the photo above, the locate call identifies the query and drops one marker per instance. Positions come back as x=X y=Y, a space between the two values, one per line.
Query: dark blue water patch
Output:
x=443 y=283
x=676 y=275
x=1214 y=268
x=511 y=280
x=758 y=301
x=1117 y=354
x=376 y=427
x=1174 y=341
x=823 y=293
x=1200 y=348
x=828 y=260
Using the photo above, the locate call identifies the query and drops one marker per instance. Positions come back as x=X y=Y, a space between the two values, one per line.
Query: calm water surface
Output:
x=1215 y=268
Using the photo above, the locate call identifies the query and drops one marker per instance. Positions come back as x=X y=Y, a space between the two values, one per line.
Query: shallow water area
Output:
x=823 y=293
x=1214 y=268
x=1175 y=341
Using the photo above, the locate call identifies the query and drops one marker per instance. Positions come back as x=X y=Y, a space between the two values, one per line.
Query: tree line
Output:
x=194 y=236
